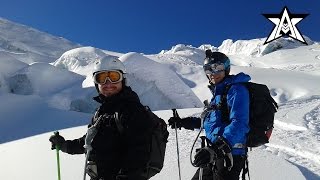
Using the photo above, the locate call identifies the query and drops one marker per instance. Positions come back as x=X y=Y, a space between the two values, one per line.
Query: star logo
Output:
x=285 y=25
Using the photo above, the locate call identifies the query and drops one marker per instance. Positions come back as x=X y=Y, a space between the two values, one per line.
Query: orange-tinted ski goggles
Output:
x=113 y=76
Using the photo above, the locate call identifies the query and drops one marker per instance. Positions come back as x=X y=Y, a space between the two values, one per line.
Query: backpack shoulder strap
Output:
x=223 y=103
x=118 y=123
x=225 y=111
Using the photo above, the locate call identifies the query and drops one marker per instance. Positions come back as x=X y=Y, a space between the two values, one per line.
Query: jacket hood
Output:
x=230 y=79
x=239 y=78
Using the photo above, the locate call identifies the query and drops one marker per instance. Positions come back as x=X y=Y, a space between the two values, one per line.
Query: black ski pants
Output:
x=219 y=172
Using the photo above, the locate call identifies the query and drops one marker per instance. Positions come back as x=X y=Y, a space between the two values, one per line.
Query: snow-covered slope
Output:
x=30 y=45
x=37 y=150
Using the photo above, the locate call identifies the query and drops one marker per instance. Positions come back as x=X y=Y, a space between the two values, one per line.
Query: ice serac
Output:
x=42 y=79
x=79 y=60
x=157 y=85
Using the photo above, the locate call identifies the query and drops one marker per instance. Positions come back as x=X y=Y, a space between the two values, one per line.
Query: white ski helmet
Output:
x=108 y=63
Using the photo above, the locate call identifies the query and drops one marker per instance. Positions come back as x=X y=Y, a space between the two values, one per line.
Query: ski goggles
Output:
x=113 y=76
x=214 y=68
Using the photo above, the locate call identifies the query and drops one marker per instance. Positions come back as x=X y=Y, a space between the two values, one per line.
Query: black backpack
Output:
x=159 y=141
x=262 y=110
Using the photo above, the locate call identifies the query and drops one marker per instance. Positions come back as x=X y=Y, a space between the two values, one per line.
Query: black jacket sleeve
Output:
x=191 y=123
x=76 y=146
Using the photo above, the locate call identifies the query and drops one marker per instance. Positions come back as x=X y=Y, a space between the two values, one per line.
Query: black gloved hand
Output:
x=204 y=156
x=57 y=140
x=217 y=150
x=175 y=122
x=178 y=122
x=224 y=148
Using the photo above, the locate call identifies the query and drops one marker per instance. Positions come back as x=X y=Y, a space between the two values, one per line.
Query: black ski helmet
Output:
x=217 y=57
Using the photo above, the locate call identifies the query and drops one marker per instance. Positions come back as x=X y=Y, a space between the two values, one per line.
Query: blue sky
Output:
x=149 y=26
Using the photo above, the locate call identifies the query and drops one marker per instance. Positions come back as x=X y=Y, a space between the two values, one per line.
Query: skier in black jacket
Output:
x=115 y=155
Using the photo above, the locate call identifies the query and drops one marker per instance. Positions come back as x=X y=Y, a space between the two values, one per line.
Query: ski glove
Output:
x=57 y=140
x=178 y=122
x=219 y=149
x=204 y=156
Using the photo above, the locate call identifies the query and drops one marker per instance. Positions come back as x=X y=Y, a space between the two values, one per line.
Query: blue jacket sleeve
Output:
x=238 y=105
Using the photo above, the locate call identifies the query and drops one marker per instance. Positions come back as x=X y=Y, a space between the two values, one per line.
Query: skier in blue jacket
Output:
x=227 y=135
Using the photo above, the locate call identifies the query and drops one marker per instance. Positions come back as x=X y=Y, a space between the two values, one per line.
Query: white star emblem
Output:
x=285 y=24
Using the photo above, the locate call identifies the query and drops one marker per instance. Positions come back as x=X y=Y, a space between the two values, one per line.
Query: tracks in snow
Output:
x=296 y=135
x=313 y=120
x=289 y=126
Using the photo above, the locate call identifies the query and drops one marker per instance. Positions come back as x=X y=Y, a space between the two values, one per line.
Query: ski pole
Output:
x=85 y=165
x=175 y=114
x=200 y=173
x=203 y=141
x=58 y=157
x=91 y=133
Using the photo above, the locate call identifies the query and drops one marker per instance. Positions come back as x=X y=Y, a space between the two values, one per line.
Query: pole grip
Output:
x=175 y=113
x=56 y=133
x=206 y=102
x=203 y=141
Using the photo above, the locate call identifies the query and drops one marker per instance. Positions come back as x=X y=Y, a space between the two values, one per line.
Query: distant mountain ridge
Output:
x=29 y=45
x=252 y=48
